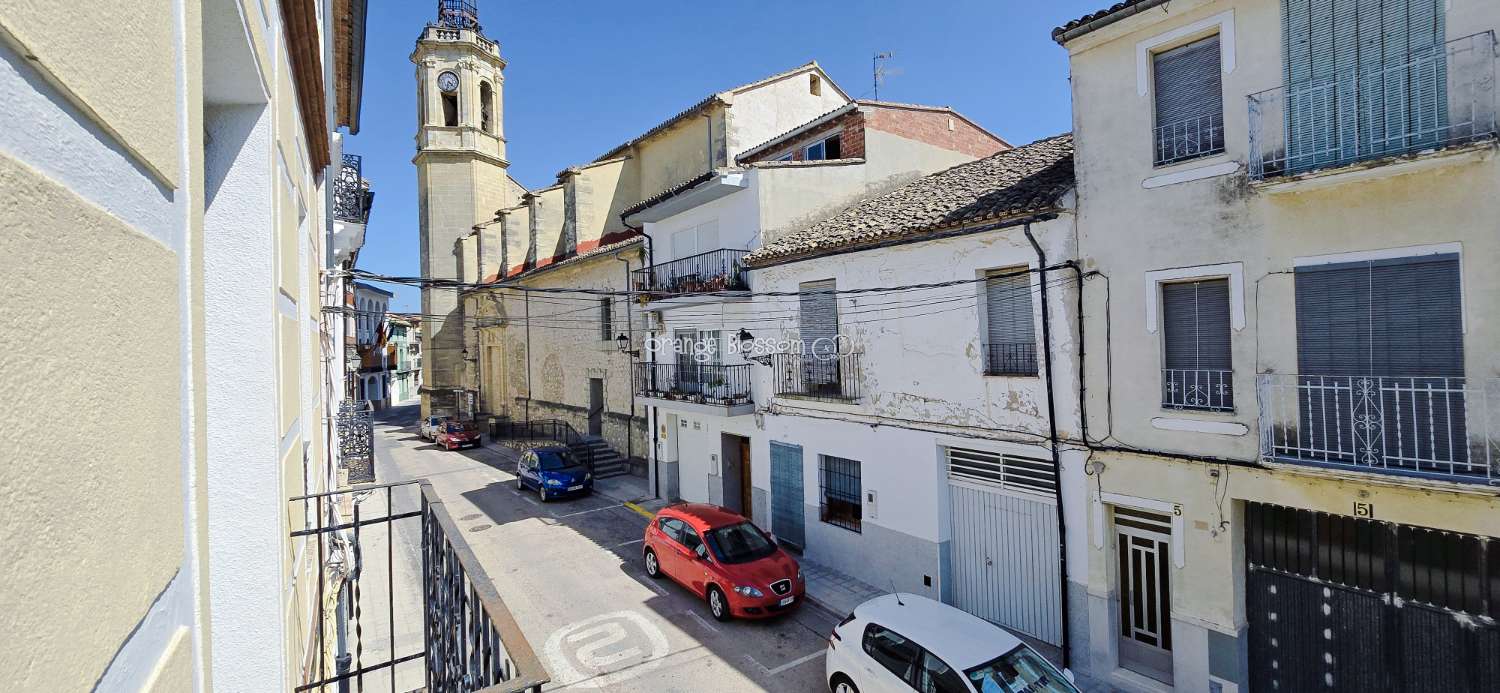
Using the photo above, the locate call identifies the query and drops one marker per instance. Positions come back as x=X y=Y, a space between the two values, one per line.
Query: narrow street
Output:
x=570 y=572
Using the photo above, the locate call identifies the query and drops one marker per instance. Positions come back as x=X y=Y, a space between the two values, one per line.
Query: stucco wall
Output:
x=767 y=110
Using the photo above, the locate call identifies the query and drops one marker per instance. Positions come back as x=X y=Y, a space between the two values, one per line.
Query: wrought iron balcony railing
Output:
x=829 y=377
x=1436 y=97
x=1010 y=358
x=1189 y=139
x=1196 y=388
x=349 y=192
x=703 y=383
x=1440 y=428
x=716 y=270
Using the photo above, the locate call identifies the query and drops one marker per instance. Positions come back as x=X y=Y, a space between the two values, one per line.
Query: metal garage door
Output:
x=1337 y=603
x=1004 y=561
x=786 y=494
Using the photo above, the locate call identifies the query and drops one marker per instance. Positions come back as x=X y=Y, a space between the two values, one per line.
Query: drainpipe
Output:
x=630 y=331
x=527 y=411
x=1062 y=529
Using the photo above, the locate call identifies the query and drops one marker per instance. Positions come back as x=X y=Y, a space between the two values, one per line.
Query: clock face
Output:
x=448 y=81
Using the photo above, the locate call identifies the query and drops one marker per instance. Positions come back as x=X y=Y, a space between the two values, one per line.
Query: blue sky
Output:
x=585 y=76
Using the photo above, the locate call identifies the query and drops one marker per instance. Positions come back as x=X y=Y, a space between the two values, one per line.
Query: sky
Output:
x=585 y=75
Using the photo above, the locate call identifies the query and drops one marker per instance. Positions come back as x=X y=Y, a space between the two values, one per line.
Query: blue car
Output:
x=554 y=472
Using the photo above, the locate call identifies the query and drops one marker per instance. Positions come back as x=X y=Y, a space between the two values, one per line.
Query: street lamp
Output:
x=623 y=342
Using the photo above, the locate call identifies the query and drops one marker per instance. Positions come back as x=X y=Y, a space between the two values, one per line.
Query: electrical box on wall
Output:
x=872 y=510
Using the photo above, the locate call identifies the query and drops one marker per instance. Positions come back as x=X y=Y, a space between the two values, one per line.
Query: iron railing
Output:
x=1010 y=358
x=829 y=377
x=716 y=270
x=355 y=429
x=1189 y=139
x=1441 y=428
x=705 y=383
x=1437 y=97
x=349 y=191
x=1197 y=388
x=470 y=640
x=555 y=430
x=458 y=14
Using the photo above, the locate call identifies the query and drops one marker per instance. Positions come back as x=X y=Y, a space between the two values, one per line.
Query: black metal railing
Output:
x=470 y=640
x=458 y=14
x=349 y=191
x=1202 y=389
x=704 y=383
x=555 y=430
x=1010 y=358
x=829 y=377
x=716 y=270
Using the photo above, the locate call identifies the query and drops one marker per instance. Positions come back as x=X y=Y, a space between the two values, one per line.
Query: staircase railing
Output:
x=555 y=430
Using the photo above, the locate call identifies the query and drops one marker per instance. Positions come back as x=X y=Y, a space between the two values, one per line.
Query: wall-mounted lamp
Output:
x=623 y=342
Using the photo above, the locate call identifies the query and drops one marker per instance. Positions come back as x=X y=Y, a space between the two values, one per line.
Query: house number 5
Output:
x=1363 y=509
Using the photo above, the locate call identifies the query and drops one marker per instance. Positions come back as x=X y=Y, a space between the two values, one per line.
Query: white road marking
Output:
x=590 y=638
x=628 y=543
x=590 y=510
x=702 y=621
x=655 y=587
x=530 y=500
x=789 y=665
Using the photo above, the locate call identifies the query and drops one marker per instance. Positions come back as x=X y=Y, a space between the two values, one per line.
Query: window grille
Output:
x=840 y=492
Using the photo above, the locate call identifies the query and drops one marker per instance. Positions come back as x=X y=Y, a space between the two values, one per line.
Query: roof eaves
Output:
x=1102 y=18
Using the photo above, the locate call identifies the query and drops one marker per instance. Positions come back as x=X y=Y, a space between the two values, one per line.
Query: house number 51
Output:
x=1363 y=509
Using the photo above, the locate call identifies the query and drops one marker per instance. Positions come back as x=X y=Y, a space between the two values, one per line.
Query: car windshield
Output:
x=458 y=428
x=556 y=460
x=739 y=543
x=1019 y=670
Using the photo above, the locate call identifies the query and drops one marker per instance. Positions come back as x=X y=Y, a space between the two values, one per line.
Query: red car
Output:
x=455 y=435
x=724 y=558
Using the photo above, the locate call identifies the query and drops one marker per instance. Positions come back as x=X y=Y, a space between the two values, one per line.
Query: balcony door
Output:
x=1363 y=78
x=1381 y=364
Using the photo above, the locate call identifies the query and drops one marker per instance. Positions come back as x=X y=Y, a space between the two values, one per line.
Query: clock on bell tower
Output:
x=461 y=177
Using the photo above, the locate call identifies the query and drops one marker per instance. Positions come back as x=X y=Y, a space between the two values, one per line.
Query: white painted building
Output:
x=372 y=382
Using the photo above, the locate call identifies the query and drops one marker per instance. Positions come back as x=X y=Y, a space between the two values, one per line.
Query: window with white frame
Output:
x=1010 y=332
x=1189 y=101
x=827 y=148
x=1197 y=371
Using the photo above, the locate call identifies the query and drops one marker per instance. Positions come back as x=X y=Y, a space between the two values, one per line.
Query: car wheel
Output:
x=653 y=568
x=541 y=492
x=717 y=604
x=520 y=486
x=842 y=684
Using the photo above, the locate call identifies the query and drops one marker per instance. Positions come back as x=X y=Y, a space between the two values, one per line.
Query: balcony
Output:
x=824 y=377
x=707 y=388
x=1445 y=429
x=1010 y=358
x=705 y=273
x=1197 y=389
x=1436 y=98
x=351 y=192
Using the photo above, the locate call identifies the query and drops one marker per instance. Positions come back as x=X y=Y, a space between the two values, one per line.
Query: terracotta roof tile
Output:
x=1016 y=182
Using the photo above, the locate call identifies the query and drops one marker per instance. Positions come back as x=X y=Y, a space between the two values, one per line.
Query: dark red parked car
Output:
x=457 y=434
x=724 y=558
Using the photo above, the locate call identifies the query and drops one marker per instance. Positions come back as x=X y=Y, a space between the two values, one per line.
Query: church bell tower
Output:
x=461 y=179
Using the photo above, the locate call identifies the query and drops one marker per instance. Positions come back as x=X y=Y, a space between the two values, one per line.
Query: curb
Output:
x=639 y=510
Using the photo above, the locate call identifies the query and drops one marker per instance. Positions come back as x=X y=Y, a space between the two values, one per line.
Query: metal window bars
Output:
x=470 y=640
x=704 y=383
x=1188 y=139
x=840 y=494
x=828 y=377
x=1010 y=358
x=1197 y=388
x=1440 y=96
x=1432 y=427
x=715 y=270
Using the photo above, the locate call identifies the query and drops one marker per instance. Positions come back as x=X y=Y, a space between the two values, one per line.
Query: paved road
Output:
x=570 y=571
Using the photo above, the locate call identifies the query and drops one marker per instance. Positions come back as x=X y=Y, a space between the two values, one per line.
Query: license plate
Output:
x=576 y=488
x=788 y=600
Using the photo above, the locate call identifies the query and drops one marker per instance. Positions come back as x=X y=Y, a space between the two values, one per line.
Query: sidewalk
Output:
x=836 y=591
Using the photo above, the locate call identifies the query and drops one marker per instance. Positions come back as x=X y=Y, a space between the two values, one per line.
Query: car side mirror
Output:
x=1068 y=674
x=701 y=553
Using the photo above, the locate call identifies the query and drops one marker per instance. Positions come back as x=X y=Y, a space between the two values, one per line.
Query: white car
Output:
x=899 y=643
x=432 y=425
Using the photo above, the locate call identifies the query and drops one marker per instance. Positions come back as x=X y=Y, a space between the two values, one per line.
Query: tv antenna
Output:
x=878 y=70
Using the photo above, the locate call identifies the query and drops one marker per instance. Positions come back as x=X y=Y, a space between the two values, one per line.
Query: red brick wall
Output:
x=932 y=127
x=850 y=128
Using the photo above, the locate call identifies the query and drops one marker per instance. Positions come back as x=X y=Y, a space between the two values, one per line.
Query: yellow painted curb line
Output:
x=638 y=509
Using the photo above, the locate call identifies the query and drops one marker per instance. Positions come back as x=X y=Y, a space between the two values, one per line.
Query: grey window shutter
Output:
x=1010 y=323
x=1189 y=101
x=819 y=317
x=1195 y=319
x=1391 y=318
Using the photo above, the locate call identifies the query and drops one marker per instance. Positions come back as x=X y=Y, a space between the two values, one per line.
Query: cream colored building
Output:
x=564 y=362
x=1291 y=353
x=165 y=180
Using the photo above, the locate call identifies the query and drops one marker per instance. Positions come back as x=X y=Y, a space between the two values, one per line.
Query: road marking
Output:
x=654 y=587
x=789 y=665
x=628 y=543
x=591 y=510
x=639 y=510
x=580 y=652
x=530 y=500
x=702 y=621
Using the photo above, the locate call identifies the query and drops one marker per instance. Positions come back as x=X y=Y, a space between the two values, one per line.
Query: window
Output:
x=606 y=319
x=825 y=149
x=1197 y=371
x=814 y=85
x=1189 y=102
x=671 y=527
x=784 y=157
x=450 y=110
x=695 y=240
x=1010 y=347
x=486 y=107
x=840 y=492
x=1019 y=671
x=935 y=676
x=689 y=538
x=895 y=653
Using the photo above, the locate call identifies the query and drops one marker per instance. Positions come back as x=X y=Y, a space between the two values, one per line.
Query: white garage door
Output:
x=1004 y=558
